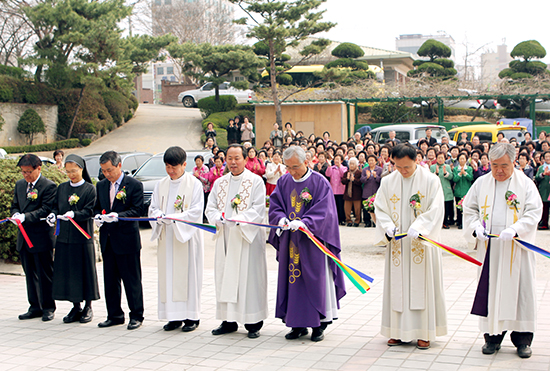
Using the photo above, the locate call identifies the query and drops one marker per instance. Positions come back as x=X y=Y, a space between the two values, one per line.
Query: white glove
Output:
x=98 y=220
x=18 y=216
x=156 y=214
x=50 y=219
x=220 y=222
x=481 y=233
x=390 y=232
x=66 y=216
x=507 y=235
x=110 y=218
x=168 y=221
x=283 y=222
x=296 y=224
x=413 y=233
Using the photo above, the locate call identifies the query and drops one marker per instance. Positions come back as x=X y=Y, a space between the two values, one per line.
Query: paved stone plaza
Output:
x=351 y=343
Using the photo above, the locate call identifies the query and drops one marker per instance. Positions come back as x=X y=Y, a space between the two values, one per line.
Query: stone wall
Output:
x=11 y=112
x=171 y=90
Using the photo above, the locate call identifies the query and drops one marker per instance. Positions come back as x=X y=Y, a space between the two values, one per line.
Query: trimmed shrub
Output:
x=30 y=124
x=116 y=104
x=9 y=174
x=209 y=105
x=16 y=72
x=245 y=107
x=86 y=142
x=284 y=79
x=134 y=102
x=388 y=112
x=69 y=143
x=348 y=50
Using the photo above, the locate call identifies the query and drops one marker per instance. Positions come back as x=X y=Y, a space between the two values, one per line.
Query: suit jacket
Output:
x=431 y=142
x=39 y=232
x=124 y=236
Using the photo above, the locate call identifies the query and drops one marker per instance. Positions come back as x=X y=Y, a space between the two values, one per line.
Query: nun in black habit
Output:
x=75 y=276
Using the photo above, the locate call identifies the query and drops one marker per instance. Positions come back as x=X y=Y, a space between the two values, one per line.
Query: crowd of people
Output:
x=319 y=178
x=354 y=168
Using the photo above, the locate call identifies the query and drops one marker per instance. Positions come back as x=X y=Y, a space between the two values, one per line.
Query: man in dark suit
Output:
x=33 y=199
x=119 y=195
x=431 y=140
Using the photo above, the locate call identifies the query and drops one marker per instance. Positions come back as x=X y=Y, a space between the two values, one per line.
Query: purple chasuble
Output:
x=301 y=288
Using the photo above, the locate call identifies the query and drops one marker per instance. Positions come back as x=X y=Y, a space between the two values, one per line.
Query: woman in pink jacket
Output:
x=253 y=163
x=216 y=171
x=335 y=173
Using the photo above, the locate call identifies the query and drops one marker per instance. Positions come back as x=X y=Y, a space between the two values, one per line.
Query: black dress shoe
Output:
x=225 y=328
x=253 y=334
x=356 y=225
x=317 y=333
x=190 y=325
x=490 y=348
x=87 y=315
x=30 y=315
x=296 y=333
x=172 y=325
x=134 y=324
x=445 y=226
x=110 y=322
x=74 y=315
x=349 y=224
x=524 y=351
x=47 y=315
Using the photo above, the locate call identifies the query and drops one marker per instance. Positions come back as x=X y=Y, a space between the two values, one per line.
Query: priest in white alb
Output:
x=411 y=201
x=507 y=203
x=240 y=257
x=180 y=246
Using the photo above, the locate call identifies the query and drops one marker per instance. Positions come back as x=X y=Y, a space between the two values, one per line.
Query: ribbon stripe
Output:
x=526 y=245
x=204 y=227
x=449 y=249
x=355 y=276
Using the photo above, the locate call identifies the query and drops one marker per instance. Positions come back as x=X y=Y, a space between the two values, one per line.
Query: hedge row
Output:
x=69 y=143
x=100 y=110
x=9 y=174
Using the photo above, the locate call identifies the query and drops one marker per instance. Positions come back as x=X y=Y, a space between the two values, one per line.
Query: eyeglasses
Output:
x=70 y=172
x=28 y=172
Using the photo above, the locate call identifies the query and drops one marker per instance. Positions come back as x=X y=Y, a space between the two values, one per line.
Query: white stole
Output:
x=180 y=250
x=507 y=286
x=228 y=256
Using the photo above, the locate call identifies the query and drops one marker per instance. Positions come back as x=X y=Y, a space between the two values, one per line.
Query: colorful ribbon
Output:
x=449 y=249
x=355 y=276
x=23 y=232
x=527 y=245
x=204 y=227
x=79 y=228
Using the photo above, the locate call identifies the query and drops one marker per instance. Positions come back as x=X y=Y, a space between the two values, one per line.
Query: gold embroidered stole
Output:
x=508 y=267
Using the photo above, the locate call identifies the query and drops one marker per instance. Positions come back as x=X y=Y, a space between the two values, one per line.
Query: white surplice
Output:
x=512 y=303
x=180 y=248
x=240 y=266
x=414 y=299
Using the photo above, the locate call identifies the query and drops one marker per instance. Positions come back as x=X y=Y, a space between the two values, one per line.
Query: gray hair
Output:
x=113 y=157
x=353 y=160
x=501 y=149
x=294 y=151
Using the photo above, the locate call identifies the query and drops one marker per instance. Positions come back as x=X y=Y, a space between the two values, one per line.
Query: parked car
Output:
x=489 y=132
x=154 y=170
x=190 y=98
x=409 y=133
x=131 y=161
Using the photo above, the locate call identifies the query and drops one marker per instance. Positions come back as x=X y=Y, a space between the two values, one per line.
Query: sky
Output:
x=475 y=23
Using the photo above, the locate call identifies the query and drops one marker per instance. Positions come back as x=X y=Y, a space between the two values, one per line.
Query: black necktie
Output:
x=29 y=187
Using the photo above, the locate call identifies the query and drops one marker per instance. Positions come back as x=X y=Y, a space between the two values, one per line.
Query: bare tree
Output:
x=16 y=35
x=198 y=21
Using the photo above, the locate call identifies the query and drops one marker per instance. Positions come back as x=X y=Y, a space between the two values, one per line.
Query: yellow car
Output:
x=488 y=132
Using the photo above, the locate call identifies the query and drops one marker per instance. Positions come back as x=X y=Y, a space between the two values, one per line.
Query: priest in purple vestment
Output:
x=310 y=284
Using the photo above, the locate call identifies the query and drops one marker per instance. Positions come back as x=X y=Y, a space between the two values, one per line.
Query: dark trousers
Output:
x=38 y=268
x=339 y=199
x=458 y=212
x=204 y=218
x=518 y=338
x=545 y=211
x=125 y=267
x=449 y=212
